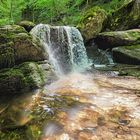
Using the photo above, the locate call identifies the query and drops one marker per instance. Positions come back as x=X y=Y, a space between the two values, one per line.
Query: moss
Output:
x=123 y=70
x=18 y=46
x=124 y=17
x=24 y=77
x=92 y=22
x=33 y=71
x=28 y=25
x=118 y=38
x=132 y=51
x=7 y=55
x=130 y=72
x=17 y=134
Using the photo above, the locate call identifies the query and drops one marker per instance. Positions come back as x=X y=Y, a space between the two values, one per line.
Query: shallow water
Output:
x=108 y=109
x=84 y=107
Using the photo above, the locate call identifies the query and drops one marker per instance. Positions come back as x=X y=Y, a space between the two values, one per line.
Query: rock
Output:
x=7 y=57
x=12 y=29
x=26 y=49
x=92 y=22
x=107 y=40
x=126 y=17
x=28 y=25
x=24 y=77
x=127 y=54
x=122 y=70
x=17 y=46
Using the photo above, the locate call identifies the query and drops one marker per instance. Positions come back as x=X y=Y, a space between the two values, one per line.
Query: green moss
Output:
x=33 y=73
x=17 y=134
x=125 y=17
x=7 y=55
x=133 y=47
x=24 y=77
x=92 y=22
x=132 y=51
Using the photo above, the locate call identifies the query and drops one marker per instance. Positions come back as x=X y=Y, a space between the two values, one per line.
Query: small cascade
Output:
x=65 y=47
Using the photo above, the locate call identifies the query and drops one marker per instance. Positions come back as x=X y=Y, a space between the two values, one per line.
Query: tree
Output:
x=10 y=11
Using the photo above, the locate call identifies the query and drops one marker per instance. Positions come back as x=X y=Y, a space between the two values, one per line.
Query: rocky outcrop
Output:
x=127 y=54
x=17 y=46
x=28 y=25
x=92 y=22
x=107 y=40
x=20 y=79
x=126 y=17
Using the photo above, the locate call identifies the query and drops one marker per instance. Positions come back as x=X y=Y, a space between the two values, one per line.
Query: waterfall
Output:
x=64 y=46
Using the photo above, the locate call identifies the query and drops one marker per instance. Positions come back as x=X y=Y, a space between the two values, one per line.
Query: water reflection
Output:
x=109 y=107
x=81 y=107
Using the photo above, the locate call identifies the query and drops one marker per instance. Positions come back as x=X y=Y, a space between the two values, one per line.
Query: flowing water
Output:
x=82 y=107
x=65 y=47
x=79 y=105
x=107 y=108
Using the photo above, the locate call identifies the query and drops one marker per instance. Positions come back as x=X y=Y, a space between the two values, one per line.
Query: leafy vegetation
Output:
x=51 y=11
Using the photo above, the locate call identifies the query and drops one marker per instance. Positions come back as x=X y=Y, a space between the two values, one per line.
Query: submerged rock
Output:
x=122 y=70
x=28 y=25
x=17 y=46
x=24 y=77
x=119 y=38
x=127 y=54
x=92 y=22
x=126 y=17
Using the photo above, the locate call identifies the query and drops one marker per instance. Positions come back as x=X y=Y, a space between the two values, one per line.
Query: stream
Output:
x=82 y=106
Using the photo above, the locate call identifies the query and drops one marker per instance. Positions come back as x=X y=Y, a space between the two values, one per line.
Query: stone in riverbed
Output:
x=24 y=77
x=127 y=54
x=107 y=40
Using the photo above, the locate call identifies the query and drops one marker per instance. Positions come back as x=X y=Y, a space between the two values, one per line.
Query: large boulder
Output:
x=107 y=40
x=28 y=25
x=20 y=79
x=127 y=54
x=126 y=17
x=92 y=22
x=17 y=46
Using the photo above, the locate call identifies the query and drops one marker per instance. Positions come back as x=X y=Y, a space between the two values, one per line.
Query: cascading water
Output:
x=64 y=46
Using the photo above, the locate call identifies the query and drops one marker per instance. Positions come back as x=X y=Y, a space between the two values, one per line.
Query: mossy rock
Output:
x=107 y=40
x=26 y=49
x=7 y=58
x=18 y=46
x=28 y=25
x=24 y=77
x=92 y=22
x=12 y=29
x=127 y=54
x=123 y=69
x=126 y=17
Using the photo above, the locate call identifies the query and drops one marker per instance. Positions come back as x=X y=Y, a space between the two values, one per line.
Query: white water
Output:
x=64 y=46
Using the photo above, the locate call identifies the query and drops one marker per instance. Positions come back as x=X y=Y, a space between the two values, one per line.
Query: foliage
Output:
x=10 y=11
x=51 y=11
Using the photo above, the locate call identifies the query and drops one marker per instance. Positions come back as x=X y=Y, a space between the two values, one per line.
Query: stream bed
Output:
x=76 y=107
